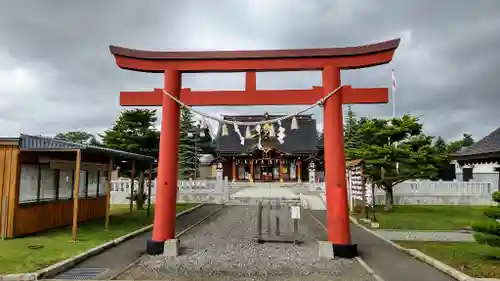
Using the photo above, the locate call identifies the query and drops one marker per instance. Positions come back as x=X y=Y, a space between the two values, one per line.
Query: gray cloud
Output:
x=56 y=73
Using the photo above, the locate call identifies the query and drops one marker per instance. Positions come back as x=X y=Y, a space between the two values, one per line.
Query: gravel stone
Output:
x=225 y=249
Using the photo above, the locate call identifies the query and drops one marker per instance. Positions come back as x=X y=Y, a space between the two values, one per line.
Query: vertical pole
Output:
x=278 y=205
x=281 y=168
x=299 y=171
x=150 y=183
x=132 y=181
x=337 y=219
x=259 y=220
x=234 y=169
x=75 y=193
x=251 y=170
x=108 y=192
x=166 y=183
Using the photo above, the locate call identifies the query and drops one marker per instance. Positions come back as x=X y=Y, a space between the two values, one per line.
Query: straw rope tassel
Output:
x=294 y=125
x=224 y=130
x=248 y=134
x=272 y=132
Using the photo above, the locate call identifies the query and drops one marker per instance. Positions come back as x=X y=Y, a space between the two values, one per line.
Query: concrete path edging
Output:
x=68 y=263
x=358 y=259
x=423 y=257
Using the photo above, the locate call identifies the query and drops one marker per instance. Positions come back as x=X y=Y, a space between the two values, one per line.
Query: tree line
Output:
x=396 y=149
x=135 y=131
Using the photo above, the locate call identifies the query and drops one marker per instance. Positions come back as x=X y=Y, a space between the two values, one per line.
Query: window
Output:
x=102 y=183
x=92 y=186
x=65 y=184
x=48 y=184
x=82 y=186
x=28 y=186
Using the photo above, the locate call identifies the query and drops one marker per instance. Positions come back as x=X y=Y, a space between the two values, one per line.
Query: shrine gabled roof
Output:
x=485 y=150
x=301 y=140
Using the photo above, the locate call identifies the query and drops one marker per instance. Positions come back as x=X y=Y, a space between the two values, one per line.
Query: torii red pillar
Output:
x=331 y=61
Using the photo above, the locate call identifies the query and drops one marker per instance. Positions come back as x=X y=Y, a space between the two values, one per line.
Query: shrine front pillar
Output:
x=233 y=169
x=251 y=170
x=281 y=169
x=337 y=215
x=299 y=171
x=166 y=184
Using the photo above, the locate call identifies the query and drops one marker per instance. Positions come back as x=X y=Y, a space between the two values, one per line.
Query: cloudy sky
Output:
x=56 y=72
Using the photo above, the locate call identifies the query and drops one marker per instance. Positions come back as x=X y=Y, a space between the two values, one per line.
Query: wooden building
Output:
x=47 y=183
x=243 y=159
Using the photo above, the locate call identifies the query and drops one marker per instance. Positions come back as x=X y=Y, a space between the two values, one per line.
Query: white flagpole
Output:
x=393 y=94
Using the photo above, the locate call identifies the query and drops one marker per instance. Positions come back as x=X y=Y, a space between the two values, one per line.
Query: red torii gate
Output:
x=330 y=61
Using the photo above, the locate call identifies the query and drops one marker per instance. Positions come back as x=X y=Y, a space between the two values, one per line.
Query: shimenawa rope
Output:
x=255 y=123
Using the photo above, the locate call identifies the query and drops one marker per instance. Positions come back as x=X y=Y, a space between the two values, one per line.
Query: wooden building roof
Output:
x=41 y=143
x=302 y=140
x=486 y=150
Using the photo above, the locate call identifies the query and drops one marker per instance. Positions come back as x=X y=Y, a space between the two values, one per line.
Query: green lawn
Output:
x=471 y=258
x=429 y=217
x=16 y=255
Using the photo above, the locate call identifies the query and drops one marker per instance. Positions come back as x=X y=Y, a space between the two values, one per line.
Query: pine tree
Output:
x=188 y=158
x=352 y=137
x=488 y=232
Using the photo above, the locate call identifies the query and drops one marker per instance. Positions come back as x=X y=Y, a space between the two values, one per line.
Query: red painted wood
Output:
x=337 y=214
x=287 y=64
x=255 y=97
x=166 y=183
x=256 y=54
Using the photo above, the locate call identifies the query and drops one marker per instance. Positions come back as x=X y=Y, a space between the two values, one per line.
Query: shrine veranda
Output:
x=269 y=132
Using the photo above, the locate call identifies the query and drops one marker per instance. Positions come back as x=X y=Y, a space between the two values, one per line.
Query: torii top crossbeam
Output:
x=262 y=60
x=251 y=62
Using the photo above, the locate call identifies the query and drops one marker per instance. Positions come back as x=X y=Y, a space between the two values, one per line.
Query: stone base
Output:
x=325 y=250
x=154 y=247
x=167 y=248
x=328 y=250
x=171 y=248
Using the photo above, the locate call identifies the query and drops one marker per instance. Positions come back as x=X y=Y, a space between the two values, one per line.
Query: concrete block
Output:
x=171 y=248
x=325 y=250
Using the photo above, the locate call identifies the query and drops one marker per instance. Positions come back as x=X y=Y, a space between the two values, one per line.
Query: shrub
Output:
x=488 y=231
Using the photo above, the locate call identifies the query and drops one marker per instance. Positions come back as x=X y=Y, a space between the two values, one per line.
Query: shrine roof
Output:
x=485 y=150
x=256 y=54
x=302 y=140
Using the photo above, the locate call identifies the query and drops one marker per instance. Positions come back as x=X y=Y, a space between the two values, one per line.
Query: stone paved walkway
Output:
x=387 y=261
x=414 y=235
x=225 y=249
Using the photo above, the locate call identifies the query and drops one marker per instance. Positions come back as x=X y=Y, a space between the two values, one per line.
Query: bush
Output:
x=488 y=232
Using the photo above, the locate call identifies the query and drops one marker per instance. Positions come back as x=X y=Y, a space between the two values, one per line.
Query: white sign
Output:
x=295 y=212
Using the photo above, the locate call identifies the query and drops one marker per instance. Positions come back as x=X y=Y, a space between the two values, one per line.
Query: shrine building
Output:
x=260 y=154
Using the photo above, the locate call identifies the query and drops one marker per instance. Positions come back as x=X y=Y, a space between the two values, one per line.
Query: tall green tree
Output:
x=352 y=137
x=440 y=145
x=456 y=146
x=78 y=137
x=398 y=140
x=134 y=131
x=188 y=157
x=488 y=232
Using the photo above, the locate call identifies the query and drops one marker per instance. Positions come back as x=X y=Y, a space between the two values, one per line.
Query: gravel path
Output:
x=437 y=236
x=223 y=249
